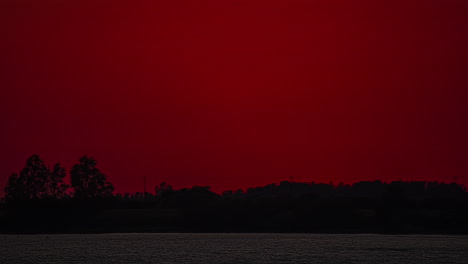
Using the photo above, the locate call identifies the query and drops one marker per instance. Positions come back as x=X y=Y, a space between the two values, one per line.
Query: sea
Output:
x=233 y=248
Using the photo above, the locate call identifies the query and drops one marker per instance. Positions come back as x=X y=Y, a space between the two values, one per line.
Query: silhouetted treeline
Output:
x=36 y=183
x=88 y=205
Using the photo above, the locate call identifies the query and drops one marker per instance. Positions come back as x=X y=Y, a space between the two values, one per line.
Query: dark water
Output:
x=233 y=248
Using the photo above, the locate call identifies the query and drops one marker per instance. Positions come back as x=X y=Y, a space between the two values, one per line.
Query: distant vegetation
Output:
x=36 y=182
x=38 y=200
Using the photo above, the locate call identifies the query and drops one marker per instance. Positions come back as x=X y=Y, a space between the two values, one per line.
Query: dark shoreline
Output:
x=181 y=221
x=201 y=232
x=291 y=207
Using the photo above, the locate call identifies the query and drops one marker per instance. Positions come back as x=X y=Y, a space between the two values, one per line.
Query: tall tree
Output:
x=35 y=181
x=88 y=181
x=56 y=188
x=14 y=190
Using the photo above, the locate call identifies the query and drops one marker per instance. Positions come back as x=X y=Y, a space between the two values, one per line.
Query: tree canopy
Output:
x=88 y=181
x=36 y=181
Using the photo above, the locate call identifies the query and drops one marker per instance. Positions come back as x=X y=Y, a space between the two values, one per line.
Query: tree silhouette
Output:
x=14 y=190
x=56 y=188
x=88 y=181
x=162 y=189
x=163 y=192
x=35 y=181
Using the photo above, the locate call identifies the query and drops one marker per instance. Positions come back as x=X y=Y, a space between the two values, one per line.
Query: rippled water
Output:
x=232 y=248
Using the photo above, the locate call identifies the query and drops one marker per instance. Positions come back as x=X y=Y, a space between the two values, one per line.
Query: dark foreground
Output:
x=233 y=248
x=281 y=217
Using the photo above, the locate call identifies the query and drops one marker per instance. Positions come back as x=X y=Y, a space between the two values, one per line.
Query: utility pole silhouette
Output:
x=144 y=187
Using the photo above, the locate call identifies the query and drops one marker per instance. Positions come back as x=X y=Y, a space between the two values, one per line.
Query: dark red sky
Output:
x=237 y=93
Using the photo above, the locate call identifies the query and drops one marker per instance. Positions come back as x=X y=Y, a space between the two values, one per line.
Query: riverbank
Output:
x=216 y=220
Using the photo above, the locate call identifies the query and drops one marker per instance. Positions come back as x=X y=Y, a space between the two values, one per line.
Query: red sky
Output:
x=237 y=93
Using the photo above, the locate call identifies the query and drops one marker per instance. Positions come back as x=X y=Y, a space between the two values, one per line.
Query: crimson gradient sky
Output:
x=237 y=93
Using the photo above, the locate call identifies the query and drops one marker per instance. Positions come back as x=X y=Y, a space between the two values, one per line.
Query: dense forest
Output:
x=37 y=200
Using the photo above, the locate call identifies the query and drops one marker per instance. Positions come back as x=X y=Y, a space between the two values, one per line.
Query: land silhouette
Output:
x=37 y=200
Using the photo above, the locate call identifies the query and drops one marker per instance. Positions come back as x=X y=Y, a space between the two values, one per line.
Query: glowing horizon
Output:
x=237 y=94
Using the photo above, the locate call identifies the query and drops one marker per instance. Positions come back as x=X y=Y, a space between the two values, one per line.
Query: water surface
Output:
x=233 y=248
